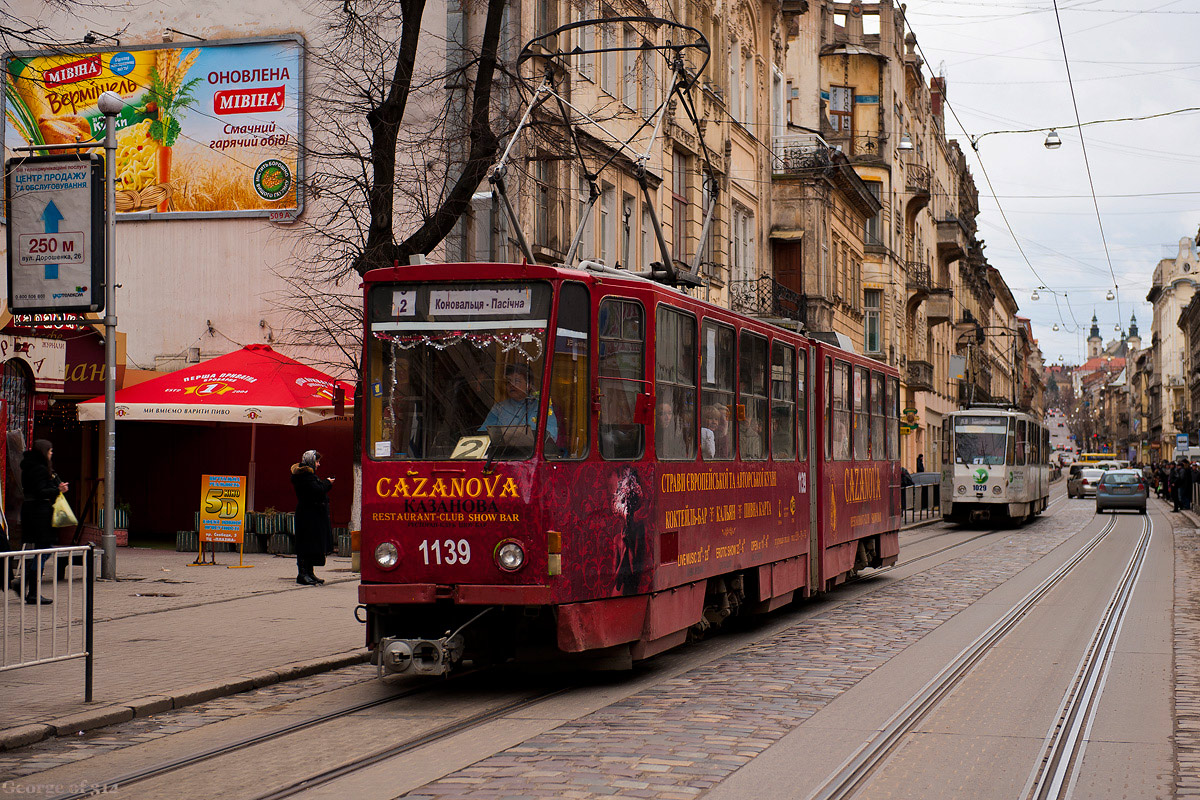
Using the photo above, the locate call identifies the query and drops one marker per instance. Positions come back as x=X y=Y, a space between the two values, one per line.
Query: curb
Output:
x=100 y=716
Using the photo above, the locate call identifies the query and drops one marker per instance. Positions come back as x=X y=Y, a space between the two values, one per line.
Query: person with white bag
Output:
x=42 y=489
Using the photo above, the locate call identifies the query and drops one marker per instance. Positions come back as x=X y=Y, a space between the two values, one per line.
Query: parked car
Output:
x=1083 y=480
x=1121 y=488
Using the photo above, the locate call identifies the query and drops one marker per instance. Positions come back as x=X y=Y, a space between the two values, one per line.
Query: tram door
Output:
x=809 y=442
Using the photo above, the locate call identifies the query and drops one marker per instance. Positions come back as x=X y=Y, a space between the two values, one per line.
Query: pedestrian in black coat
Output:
x=1185 y=487
x=41 y=488
x=314 y=531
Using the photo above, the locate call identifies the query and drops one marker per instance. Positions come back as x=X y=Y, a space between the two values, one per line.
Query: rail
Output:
x=921 y=502
x=40 y=632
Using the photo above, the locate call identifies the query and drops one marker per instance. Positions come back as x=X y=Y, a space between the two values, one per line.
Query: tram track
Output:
x=247 y=743
x=862 y=765
x=1063 y=751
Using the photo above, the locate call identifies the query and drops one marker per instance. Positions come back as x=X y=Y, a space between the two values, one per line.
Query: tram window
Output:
x=862 y=413
x=878 y=448
x=783 y=402
x=438 y=394
x=841 y=411
x=622 y=378
x=675 y=385
x=752 y=387
x=1020 y=448
x=569 y=373
x=893 y=419
x=717 y=363
x=828 y=408
x=947 y=440
x=1011 y=452
x=802 y=404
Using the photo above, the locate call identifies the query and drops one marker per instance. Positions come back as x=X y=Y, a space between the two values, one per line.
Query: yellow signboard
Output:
x=207 y=130
x=222 y=508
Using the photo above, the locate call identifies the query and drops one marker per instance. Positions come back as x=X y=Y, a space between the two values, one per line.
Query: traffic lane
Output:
x=799 y=764
x=989 y=733
x=1130 y=752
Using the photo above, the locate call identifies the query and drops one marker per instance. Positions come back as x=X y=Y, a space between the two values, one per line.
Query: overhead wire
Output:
x=1086 y=162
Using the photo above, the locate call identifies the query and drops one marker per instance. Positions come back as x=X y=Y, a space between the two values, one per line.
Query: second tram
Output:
x=995 y=461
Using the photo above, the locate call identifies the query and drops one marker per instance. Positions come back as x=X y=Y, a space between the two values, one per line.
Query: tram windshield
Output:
x=455 y=371
x=980 y=440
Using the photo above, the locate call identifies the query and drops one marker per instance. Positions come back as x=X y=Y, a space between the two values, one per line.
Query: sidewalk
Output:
x=169 y=635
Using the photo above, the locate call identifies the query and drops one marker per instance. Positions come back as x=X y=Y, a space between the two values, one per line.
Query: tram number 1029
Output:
x=445 y=551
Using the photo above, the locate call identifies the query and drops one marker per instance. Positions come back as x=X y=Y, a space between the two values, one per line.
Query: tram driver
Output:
x=519 y=408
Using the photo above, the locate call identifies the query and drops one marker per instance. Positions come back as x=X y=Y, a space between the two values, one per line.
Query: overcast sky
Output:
x=1003 y=61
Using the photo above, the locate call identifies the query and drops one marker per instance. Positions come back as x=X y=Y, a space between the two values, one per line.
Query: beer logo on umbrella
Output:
x=211 y=388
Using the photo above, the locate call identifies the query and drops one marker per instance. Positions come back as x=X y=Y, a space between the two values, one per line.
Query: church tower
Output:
x=1133 y=340
x=1095 y=343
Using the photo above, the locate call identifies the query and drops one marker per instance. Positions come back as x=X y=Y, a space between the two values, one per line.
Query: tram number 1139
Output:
x=445 y=551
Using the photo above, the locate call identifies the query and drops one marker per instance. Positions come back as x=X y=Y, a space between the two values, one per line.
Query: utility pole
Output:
x=110 y=104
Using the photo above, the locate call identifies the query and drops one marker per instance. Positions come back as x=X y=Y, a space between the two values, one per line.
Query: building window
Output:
x=608 y=224
x=650 y=253
x=648 y=62
x=679 y=205
x=841 y=108
x=778 y=103
x=608 y=58
x=628 y=235
x=735 y=80
x=542 y=187
x=742 y=245
x=587 y=240
x=587 y=42
x=872 y=233
x=872 y=334
x=629 y=58
x=748 y=89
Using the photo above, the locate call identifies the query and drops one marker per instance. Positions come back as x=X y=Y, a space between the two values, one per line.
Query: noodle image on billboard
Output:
x=209 y=130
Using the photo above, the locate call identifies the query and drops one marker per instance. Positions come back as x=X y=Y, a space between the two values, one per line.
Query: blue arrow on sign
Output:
x=51 y=216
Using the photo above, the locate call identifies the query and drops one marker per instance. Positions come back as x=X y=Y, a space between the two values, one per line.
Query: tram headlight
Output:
x=510 y=556
x=962 y=488
x=387 y=555
x=996 y=489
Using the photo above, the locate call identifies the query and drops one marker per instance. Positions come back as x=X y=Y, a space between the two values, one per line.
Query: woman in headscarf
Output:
x=41 y=488
x=314 y=531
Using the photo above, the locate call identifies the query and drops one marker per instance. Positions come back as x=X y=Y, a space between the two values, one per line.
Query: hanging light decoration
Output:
x=1053 y=141
x=1055 y=327
x=1110 y=295
x=1034 y=296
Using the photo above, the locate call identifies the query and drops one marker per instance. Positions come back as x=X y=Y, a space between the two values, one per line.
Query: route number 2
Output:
x=445 y=551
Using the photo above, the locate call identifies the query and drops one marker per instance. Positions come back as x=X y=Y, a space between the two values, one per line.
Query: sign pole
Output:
x=110 y=104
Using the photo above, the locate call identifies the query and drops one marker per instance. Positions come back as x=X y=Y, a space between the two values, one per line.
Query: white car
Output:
x=1084 y=482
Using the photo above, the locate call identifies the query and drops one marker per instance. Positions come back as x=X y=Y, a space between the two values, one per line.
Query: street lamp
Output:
x=1034 y=296
x=110 y=104
x=1053 y=142
x=1055 y=327
x=1110 y=295
x=905 y=142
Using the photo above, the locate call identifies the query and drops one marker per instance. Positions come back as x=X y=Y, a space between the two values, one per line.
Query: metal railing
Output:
x=920 y=502
x=766 y=297
x=918 y=275
x=36 y=632
x=918 y=179
x=919 y=375
x=800 y=152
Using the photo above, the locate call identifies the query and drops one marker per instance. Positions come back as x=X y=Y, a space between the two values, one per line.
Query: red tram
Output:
x=590 y=460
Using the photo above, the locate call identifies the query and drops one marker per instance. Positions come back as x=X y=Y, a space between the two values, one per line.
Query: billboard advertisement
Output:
x=210 y=130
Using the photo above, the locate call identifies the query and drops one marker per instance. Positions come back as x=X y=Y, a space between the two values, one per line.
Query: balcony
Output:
x=918 y=179
x=862 y=147
x=766 y=298
x=800 y=153
x=919 y=277
x=919 y=376
x=953 y=238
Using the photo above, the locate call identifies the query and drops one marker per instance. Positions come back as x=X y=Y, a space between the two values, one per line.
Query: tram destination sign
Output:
x=55 y=211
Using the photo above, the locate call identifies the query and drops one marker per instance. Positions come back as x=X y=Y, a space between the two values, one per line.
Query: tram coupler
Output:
x=420 y=656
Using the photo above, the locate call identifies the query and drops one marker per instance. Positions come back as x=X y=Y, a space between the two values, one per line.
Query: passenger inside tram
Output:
x=670 y=441
x=715 y=440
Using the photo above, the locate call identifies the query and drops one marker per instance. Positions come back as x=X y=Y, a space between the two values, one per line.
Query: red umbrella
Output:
x=254 y=385
x=251 y=385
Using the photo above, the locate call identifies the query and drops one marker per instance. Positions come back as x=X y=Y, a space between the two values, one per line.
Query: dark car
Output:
x=1121 y=488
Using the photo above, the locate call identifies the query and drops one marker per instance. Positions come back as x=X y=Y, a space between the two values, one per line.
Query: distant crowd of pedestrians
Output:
x=1173 y=481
